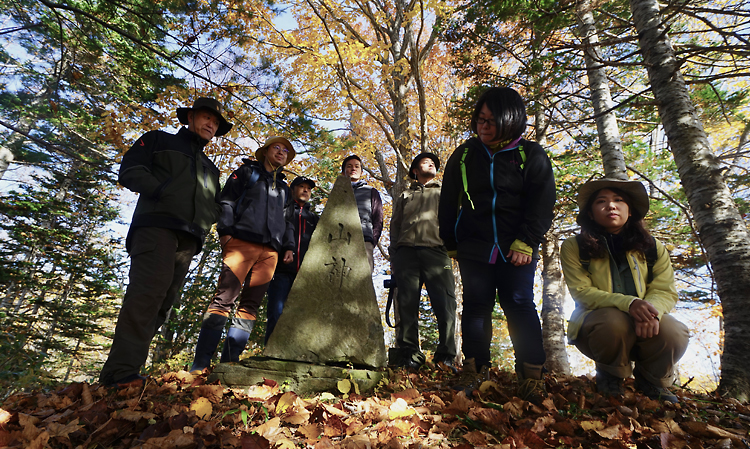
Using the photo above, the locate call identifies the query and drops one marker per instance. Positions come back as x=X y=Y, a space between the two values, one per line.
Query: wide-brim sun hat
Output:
x=419 y=157
x=260 y=153
x=210 y=104
x=634 y=189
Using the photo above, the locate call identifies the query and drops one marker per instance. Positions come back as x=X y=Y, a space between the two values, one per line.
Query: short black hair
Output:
x=507 y=108
x=349 y=158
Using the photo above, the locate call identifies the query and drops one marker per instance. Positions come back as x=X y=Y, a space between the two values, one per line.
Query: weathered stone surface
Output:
x=302 y=378
x=332 y=312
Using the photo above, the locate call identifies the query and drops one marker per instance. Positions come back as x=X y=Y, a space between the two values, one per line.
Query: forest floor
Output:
x=408 y=410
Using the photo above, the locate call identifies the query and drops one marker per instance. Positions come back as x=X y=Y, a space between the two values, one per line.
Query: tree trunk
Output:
x=722 y=230
x=553 y=315
x=553 y=290
x=601 y=99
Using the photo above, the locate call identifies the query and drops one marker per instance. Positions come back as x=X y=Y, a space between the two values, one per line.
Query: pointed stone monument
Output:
x=332 y=314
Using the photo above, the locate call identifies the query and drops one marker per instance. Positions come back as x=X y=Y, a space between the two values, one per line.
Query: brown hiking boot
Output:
x=469 y=379
x=531 y=383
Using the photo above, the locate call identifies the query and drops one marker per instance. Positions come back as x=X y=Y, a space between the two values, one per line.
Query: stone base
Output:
x=302 y=378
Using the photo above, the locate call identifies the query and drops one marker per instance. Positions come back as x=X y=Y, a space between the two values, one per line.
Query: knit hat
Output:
x=210 y=104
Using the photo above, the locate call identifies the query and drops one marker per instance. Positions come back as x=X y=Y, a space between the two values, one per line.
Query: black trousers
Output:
x=159 y=260
x=431 y=266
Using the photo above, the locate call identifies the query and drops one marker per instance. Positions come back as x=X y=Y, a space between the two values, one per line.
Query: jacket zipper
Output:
x=495 y=247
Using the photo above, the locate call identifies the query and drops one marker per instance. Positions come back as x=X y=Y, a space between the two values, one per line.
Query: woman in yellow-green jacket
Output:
x=623 y=285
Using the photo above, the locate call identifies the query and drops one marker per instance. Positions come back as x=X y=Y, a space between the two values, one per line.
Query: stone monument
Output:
x=331 y=318
x=332 y=314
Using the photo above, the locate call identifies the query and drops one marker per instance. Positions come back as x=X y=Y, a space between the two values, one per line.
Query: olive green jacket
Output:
x=592 y=289
x=415 y=216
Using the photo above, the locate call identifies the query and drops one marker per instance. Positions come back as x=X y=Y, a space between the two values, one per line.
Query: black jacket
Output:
x=177 y=182
x=256 y=214
x=304 y=221
x=370 y=208
x=504 y=202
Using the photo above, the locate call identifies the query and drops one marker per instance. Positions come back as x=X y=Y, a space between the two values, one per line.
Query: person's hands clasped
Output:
x=644 y=314
x=518 y=259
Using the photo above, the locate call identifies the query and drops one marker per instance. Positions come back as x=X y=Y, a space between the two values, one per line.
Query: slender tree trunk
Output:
x=459 y=291
x=553 y=290
x=722 y=230
x=553 y=314
x=601 y=98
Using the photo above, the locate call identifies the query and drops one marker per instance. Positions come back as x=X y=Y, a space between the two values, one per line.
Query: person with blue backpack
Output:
x=623 y=285
x=496 y=205
x=254 y=236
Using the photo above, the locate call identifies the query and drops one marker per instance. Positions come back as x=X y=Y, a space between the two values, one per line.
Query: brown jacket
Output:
x=415 y=216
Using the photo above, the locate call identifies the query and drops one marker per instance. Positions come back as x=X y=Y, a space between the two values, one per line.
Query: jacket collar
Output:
x=431 y=183
x=192 y=137
x=253 y=163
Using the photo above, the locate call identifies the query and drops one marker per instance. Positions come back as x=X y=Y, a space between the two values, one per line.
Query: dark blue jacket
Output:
x=370 y=208
x=256 y=214
x=501 y=202
x=304 y=221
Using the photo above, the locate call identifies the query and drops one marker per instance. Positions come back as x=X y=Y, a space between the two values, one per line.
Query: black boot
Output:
x=236 y=340
x=208 y=340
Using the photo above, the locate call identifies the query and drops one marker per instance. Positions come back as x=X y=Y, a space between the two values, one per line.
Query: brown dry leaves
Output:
x=179 y=410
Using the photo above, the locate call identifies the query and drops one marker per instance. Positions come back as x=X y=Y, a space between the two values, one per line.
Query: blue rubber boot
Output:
x=236 y=340
x=208 y=340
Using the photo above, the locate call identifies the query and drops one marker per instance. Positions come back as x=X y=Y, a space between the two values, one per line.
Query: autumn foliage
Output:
x=408 y=409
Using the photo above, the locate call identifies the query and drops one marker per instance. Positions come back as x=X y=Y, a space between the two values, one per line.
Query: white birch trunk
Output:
x=601 y=98
x=721 y=228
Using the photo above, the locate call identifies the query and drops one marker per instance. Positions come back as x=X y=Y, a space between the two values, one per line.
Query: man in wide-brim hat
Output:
x=178 y=203
x=254 y=237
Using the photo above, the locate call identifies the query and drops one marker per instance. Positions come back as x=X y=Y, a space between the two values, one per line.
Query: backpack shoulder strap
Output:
x=464 y=179
x=651 y=257
x=522 y=152
x=583 y=253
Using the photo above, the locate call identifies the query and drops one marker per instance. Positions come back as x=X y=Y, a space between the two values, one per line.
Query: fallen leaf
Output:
x=344 y=386
x=410 y=395
x=213 y=393
x=592 y=425
x=132 y=415
x=609 y=433
x=477 y=438
x=400 y=409
x=356 y=442
x=285 y=401
x=202 y=408
x=270 y=430
x=59 y=430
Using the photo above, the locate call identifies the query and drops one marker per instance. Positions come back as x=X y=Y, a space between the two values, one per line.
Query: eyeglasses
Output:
x=279 y=148
x=482 y=121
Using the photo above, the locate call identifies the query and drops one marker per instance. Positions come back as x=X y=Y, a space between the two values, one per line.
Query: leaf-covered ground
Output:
x=410 y=409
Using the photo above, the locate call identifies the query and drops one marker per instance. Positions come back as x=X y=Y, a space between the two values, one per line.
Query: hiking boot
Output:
x=609 y=385
x=446 y=364
x=469 y=379
x=531 y=383
x=656 y=392
x=133 y=380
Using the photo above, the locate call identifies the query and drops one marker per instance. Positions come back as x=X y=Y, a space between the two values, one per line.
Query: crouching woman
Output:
x=623 y=285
